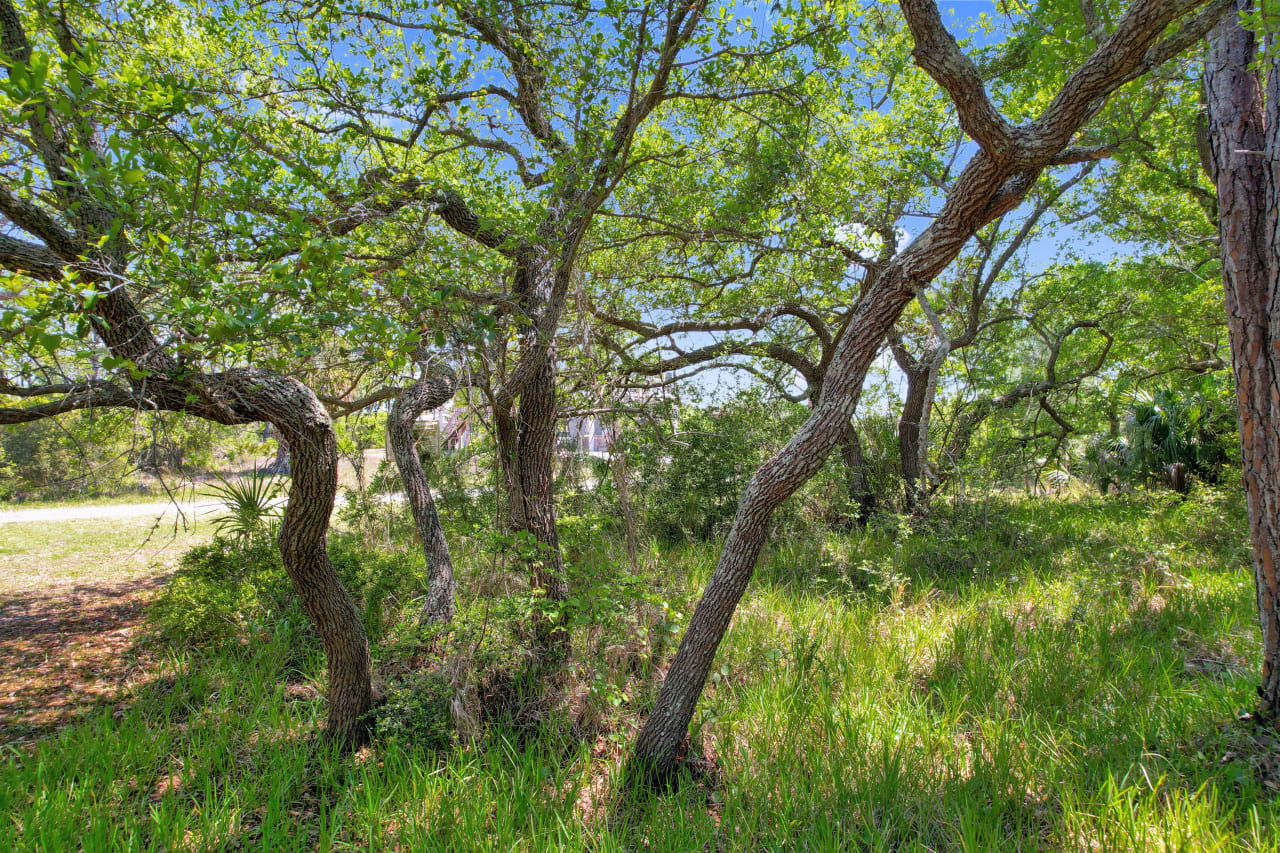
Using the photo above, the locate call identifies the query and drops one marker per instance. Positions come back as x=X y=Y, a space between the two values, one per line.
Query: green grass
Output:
x=1022 y=676
x=38 y=555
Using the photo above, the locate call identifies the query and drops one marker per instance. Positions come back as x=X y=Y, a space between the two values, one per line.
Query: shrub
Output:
x=418 y=713
x=229 y=591
x=225 y=591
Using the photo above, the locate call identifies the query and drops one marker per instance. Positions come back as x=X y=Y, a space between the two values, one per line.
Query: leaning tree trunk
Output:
x=993 y=182
x=1245 y=165
x=425 y=395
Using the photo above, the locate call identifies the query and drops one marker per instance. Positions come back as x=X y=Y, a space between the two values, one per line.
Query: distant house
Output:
x=444 y=429
x=449 y=428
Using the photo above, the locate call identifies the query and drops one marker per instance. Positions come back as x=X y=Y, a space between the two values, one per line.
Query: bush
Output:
x=226 y=591
x=230 y=591
x=692 y=485
x=418 y=713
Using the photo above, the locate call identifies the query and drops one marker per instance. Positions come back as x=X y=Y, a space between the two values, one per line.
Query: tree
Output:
x=1244 y=161
x=1008 y=161
x=430 y=392
x=121 y=307
x=539 y=126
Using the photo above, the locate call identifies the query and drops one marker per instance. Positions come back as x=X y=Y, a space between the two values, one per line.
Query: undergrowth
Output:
x=1007 y=675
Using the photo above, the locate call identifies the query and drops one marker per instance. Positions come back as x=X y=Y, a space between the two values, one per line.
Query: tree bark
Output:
x=536 y=446
x=909 y=435
x=994 y=181
x=1245 y=166
x=512 y=499
x=857 y=479
x=303 y=532
x=280 y=464
x=425 y=395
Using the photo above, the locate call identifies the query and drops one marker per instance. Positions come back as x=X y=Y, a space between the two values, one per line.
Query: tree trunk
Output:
x=511 y=501
x=301 y=419
x=279 y=466
x=909 y=435
x=1245 y=165
x=425 y=395
x=857 y=480
x=993 y=182
x=536 y=446
x=618 y=468
x=656 y=751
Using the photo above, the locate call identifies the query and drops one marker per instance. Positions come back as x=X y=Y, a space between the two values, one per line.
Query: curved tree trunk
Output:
x=425 y=395
x=993 y=182
x=301 y=419
x=1245 y=165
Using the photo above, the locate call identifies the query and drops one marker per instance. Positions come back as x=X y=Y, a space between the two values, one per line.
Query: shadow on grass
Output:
x=65 y=654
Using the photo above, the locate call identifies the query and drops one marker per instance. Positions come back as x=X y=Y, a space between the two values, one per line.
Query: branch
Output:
x=937 y=52
x=86 y=395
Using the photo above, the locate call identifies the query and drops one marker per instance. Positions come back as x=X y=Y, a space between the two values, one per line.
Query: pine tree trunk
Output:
x=1245 y=165
x=425 y=395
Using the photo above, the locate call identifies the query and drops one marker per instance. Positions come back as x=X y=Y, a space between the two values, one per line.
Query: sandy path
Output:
x=157 y=509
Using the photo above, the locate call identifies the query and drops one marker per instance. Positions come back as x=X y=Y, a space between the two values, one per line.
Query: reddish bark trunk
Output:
x=1245 y=165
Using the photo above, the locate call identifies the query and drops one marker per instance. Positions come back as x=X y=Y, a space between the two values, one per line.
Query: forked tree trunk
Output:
x=994 y=181
x=425 y=395
x=1245 y=165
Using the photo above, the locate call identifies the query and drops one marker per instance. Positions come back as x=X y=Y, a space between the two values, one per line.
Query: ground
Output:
x=1041 y=675
x=71 y=605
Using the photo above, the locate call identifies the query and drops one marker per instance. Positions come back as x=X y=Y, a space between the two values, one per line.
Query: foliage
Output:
x=249 y=507
x=226 y=592
x=691 y=483
x=1027 y=675
x=418 y=714
x=230 y=591
x=1161 y=428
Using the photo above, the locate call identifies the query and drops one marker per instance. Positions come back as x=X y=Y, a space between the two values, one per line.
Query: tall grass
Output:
x=1018 y=676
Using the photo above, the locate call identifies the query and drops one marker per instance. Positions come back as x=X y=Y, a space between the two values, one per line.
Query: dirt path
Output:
x=67 y=651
